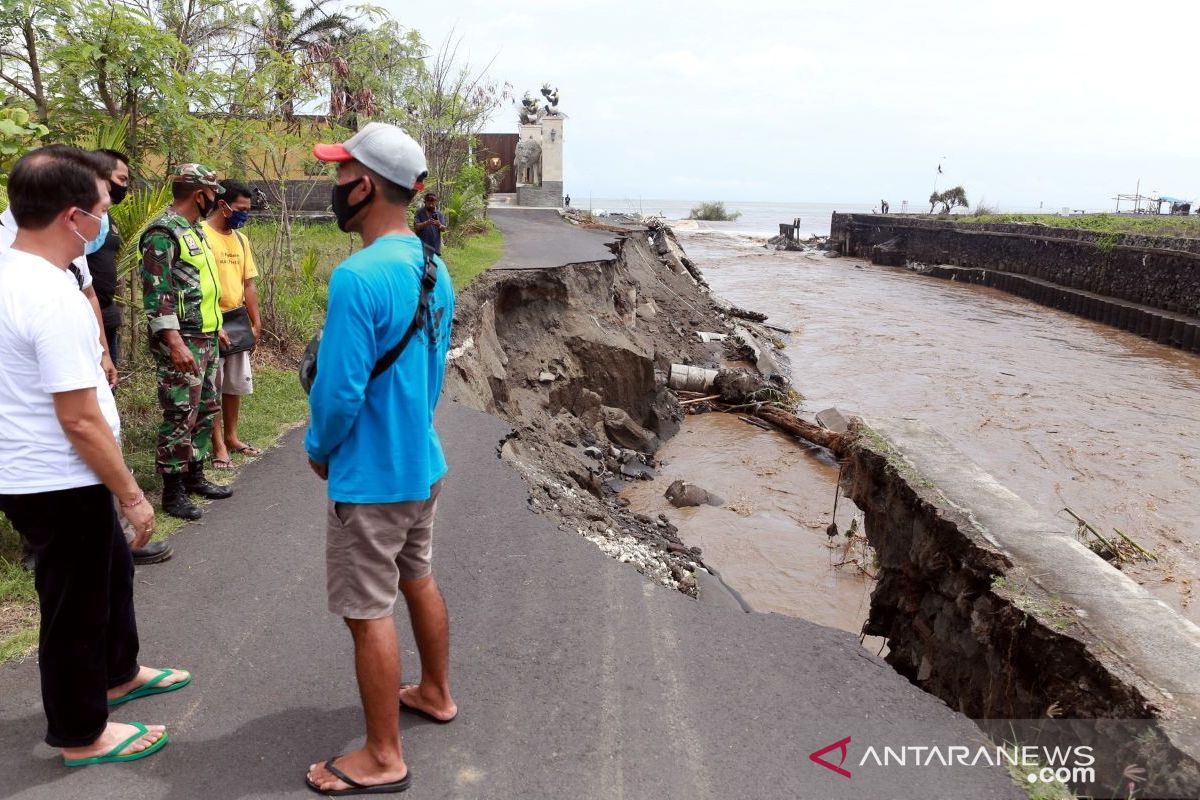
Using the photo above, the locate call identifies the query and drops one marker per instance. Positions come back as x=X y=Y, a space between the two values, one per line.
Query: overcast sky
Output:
x=1065 y=103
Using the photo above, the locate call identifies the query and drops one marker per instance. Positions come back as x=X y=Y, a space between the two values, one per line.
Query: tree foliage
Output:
x=18 y=134
x=448 y=107
x=245 y=86
x=949 y=200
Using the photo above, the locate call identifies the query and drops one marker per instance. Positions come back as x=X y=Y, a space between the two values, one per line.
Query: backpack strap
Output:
x=428 y=281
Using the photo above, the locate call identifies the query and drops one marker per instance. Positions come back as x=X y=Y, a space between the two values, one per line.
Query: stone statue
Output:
x=531 y=110
x=529 y=162
x=551 y=96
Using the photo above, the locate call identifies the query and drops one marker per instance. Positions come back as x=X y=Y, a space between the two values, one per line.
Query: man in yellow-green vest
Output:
x=181 y=294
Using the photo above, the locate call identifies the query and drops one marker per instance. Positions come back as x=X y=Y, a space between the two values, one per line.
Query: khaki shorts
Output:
x=370 y=548
x=233 y=374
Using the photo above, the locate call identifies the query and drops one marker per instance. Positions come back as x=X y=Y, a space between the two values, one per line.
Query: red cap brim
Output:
x=332 y=152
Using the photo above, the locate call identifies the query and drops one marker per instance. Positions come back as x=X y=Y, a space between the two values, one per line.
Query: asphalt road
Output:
x=539 y=238
x=576 y=677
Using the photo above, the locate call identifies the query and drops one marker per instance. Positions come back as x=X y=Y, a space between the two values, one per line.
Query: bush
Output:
x=982 y=209
x=713 y=212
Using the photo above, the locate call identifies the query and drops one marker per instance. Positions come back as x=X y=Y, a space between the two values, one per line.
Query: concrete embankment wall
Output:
x=1149 y=285
x=1005 y=614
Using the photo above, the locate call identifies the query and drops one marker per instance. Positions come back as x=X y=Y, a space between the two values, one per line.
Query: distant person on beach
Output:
x=60 y=466
x=371 y=435
x=883 y=204
x=567 y=201
x=429 y=223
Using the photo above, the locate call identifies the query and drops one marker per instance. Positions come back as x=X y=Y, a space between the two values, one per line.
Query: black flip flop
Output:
x=420 y=712
x=395 y=787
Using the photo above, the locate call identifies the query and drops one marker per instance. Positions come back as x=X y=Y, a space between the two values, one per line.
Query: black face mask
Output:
x=341 y=202
x=207 y=205
x=117 y=193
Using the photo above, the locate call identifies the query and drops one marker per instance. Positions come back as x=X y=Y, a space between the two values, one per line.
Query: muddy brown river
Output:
x=1064 y=411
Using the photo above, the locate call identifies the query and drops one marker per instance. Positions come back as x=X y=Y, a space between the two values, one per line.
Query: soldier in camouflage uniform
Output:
x=181 y=296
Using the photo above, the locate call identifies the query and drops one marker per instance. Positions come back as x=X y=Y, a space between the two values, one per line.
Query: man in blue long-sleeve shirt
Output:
x=373 y=439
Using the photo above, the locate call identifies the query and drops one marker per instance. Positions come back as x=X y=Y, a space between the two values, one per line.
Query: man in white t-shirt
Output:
x=60 y=466
x=83 y=277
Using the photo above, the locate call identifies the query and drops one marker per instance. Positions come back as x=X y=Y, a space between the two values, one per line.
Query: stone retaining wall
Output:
x=1158 y=272
x=1004 y=614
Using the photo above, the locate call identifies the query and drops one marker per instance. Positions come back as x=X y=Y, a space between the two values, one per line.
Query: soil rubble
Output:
x=576 y=359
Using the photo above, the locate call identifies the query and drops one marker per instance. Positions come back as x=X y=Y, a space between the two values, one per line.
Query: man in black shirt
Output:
x=103 y=266
x=103 y=263
x=429 y=223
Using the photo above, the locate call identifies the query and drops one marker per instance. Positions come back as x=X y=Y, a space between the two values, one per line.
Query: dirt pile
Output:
x=576 y=359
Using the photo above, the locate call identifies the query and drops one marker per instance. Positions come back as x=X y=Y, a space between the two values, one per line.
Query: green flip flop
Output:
x=114 y=756
x=151 y=687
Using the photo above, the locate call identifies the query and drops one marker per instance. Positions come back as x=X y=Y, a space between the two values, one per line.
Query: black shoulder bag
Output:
x=236 y=321
x=308 y=362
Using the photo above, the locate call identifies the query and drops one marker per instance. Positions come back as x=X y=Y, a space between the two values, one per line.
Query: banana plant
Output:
x=462 y=208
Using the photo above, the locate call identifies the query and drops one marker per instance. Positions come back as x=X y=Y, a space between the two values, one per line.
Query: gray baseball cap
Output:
x=382 y=148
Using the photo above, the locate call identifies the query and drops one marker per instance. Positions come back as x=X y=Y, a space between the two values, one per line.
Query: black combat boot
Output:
x=196 y=483
x=175 y=500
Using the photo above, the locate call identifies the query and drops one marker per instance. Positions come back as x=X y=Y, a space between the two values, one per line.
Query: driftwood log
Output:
x=741 y=313
x=694 y=271
x=745 y=392
x=789 y=423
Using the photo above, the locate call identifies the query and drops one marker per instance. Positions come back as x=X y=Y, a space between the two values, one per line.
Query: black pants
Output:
x=84 y=578
x=113 y=334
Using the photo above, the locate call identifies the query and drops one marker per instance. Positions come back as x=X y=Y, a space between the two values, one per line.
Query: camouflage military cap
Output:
x=196 y=175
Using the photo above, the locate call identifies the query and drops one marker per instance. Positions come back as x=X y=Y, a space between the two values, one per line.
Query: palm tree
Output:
x=283 y=33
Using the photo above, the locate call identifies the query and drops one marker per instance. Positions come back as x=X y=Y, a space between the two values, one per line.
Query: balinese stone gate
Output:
x=539 y=159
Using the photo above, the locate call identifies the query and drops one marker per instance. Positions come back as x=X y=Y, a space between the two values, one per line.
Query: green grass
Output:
x=471 y=258
x=1142 y=225
x=465 y=258
x=325 y=238
x=316 y=248
x=18 y=605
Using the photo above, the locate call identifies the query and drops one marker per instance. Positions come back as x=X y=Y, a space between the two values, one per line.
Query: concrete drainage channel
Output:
x=1000 y=613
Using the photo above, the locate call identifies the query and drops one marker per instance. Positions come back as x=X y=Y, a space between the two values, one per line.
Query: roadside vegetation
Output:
x=713 y=212
x=234 y=84
x=1137 y=224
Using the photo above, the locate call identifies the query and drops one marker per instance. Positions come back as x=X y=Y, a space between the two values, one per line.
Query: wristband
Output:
x=141 y=498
